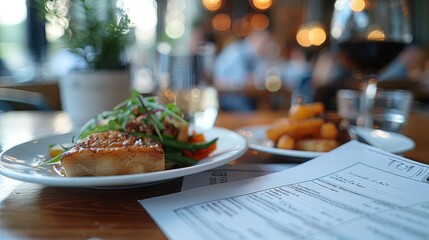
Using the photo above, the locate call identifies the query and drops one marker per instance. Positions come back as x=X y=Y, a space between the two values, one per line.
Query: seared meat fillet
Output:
x=113 y=153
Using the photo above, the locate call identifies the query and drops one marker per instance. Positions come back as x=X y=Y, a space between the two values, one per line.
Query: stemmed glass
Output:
x=368 y=35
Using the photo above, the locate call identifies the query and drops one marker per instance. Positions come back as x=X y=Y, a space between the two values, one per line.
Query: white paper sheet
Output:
x=353 y=192
x=230 y=173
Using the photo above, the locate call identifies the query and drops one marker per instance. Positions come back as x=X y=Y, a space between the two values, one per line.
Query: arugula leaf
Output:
x=151 y=118
x=154 y=115
x=54 y=160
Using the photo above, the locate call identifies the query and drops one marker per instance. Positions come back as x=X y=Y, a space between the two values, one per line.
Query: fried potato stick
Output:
x=295 y=129
x=305 y=111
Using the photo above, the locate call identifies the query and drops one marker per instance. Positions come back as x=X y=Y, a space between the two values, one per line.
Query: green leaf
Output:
x=172 y=143
x=54 y=160
x=155 y=113
x=177 y=158
x=173 y=108
x=111 y=125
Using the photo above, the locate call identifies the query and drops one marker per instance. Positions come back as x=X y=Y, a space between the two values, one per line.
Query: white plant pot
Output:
x=84 y=94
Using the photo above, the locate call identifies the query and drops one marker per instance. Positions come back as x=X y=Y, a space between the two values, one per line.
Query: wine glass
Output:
x=368 y=35
x=185 y=79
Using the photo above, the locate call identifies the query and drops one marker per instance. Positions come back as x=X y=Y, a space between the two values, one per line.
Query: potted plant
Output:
x=99 y=33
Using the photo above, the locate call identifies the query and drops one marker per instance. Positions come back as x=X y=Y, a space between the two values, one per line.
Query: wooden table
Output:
x=31 y=211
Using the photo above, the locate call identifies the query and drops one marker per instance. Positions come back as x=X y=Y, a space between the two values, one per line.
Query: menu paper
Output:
x=231 y=172
x=353 y=192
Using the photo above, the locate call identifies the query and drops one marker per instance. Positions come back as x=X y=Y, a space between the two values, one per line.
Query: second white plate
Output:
x=255 y=135
x=391 y=142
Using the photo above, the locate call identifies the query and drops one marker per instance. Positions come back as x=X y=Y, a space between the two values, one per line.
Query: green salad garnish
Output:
x=144 y=117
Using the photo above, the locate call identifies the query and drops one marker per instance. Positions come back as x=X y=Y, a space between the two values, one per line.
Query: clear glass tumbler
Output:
x=390 y=111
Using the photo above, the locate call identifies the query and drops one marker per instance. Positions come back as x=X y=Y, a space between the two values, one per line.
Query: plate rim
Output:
x=124 y=180
x=401 y=149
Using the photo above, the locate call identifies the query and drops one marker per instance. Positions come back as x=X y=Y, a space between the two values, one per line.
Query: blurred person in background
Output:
x=248 y=63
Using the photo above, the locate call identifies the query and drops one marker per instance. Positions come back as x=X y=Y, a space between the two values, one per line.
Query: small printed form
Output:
x=353 y=192
x=230 y=173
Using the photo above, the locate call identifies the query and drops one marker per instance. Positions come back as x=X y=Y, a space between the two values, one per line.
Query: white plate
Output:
x=18 y=163
x=257 y=141
x=388 y=141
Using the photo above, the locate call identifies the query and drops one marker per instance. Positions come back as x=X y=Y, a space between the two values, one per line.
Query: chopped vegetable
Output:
x=144 y=117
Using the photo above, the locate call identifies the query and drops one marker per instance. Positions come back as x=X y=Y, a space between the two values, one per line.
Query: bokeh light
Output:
x=273 y=83
x=178 y=5
x=175 y=19
x=262 y=4
x=12 y=12
x=175 y=15
x=143 y=14
x=317 y=36
x=357 y=5
x=164 y=48
x=336 y=32
x=259 y=21
x=311 y=36
x=376 y=35
x=212 y=5
x=302 y=37
x=340 y=4
x=175 y=29
x=241 y=27
x=221 y=22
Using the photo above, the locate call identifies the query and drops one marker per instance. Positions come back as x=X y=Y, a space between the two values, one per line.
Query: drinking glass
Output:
x=390 y=111
x=368 y=35
x=185 y=78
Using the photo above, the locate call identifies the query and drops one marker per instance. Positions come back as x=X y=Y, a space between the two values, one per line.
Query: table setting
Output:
x=85 y=210
x=175 y=165
x=39 y=201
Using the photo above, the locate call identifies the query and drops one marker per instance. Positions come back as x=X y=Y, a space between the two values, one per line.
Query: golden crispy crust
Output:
x=113 y=153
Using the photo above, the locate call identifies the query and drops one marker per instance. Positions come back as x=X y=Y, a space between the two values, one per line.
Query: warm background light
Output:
x=311 y=36
x=303 y=37
x=357 y=5
x=212 y=5
x=221 y=22
x=262 y=4
x=241 y=27
x=376 y=35
x=317 y=36
x=259 y=21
